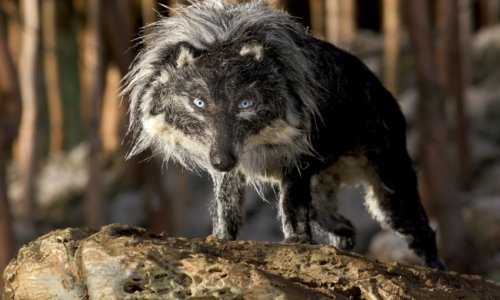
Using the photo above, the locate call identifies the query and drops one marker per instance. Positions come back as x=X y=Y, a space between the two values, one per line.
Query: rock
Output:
x=123 y=262
x=61 y=186
x=61 y=180
x=485 y=49
x=483 y=111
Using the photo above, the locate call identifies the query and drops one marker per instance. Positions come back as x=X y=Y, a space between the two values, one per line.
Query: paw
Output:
x=344 y=238
x=223 y=235
x=299 y=239
x=343 y=243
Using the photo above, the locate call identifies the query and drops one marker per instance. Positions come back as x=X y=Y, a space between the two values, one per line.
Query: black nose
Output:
x=223 y=161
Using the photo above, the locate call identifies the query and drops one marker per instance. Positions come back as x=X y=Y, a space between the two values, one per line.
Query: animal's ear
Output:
x=181 y=55
x=254 y=49
x=185 y=55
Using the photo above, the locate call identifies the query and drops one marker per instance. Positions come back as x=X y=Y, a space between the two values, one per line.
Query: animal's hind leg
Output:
x=393 y=200
x=326 y=223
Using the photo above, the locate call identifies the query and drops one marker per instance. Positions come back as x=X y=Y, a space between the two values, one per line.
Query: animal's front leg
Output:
x=226 y=210
x=294 y=206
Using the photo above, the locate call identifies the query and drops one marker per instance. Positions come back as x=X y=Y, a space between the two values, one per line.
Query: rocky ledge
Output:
x=124 y=262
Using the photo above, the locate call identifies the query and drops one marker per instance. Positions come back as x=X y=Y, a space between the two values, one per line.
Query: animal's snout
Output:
x=223 y=161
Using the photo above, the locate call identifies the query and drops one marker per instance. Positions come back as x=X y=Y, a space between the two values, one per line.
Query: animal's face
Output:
x=222 y=103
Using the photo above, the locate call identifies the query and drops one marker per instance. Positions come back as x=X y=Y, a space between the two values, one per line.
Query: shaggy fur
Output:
x=247 y=94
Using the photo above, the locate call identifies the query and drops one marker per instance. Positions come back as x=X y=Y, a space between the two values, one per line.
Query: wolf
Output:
x=249 y=95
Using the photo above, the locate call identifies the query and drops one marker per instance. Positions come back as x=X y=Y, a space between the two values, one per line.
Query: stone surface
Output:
x=123 y=262
x=485 y=49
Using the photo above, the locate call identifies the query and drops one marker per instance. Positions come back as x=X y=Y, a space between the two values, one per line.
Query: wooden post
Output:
x=333 y=21
x=489 y=11
x=52 y=76
x=435 y=164
x=348 y=22
x=449 y=59
x=148 y=10
x=465 y=29
x=118 y=31
x=28 y=135
x=340 y=22
x=92 y=93
x=391 y=26
x=317 y=8
x=10 y=111
x=110 y=130
x=14 y=28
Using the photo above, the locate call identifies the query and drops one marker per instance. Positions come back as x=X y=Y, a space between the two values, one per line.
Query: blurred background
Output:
x=63 y=125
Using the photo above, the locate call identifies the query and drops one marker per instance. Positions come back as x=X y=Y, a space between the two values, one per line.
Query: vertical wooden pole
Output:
x=317 y=8
x=118 y=31
x=6 y=234
x=14 y=27
x=110 y=130
x=391 y=27
x=444 y=23
x=333 y=21
x=457 y=89
x=148 y=9
x=340 y=22
x=92 y=94
x=276 y=4
x=433 y=142
x=28 y=135
x=160 y=207
x=52 y=76
x=449 y=59
x=348 y=22
x=10 y=111
x=465 y=29
x=489 y=12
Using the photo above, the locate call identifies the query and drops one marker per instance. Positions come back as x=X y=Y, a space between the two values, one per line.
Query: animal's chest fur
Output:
x=267 y=163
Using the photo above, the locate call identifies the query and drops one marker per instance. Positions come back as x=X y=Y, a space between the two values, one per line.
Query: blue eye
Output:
x=245 y=104
x=199 y=103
